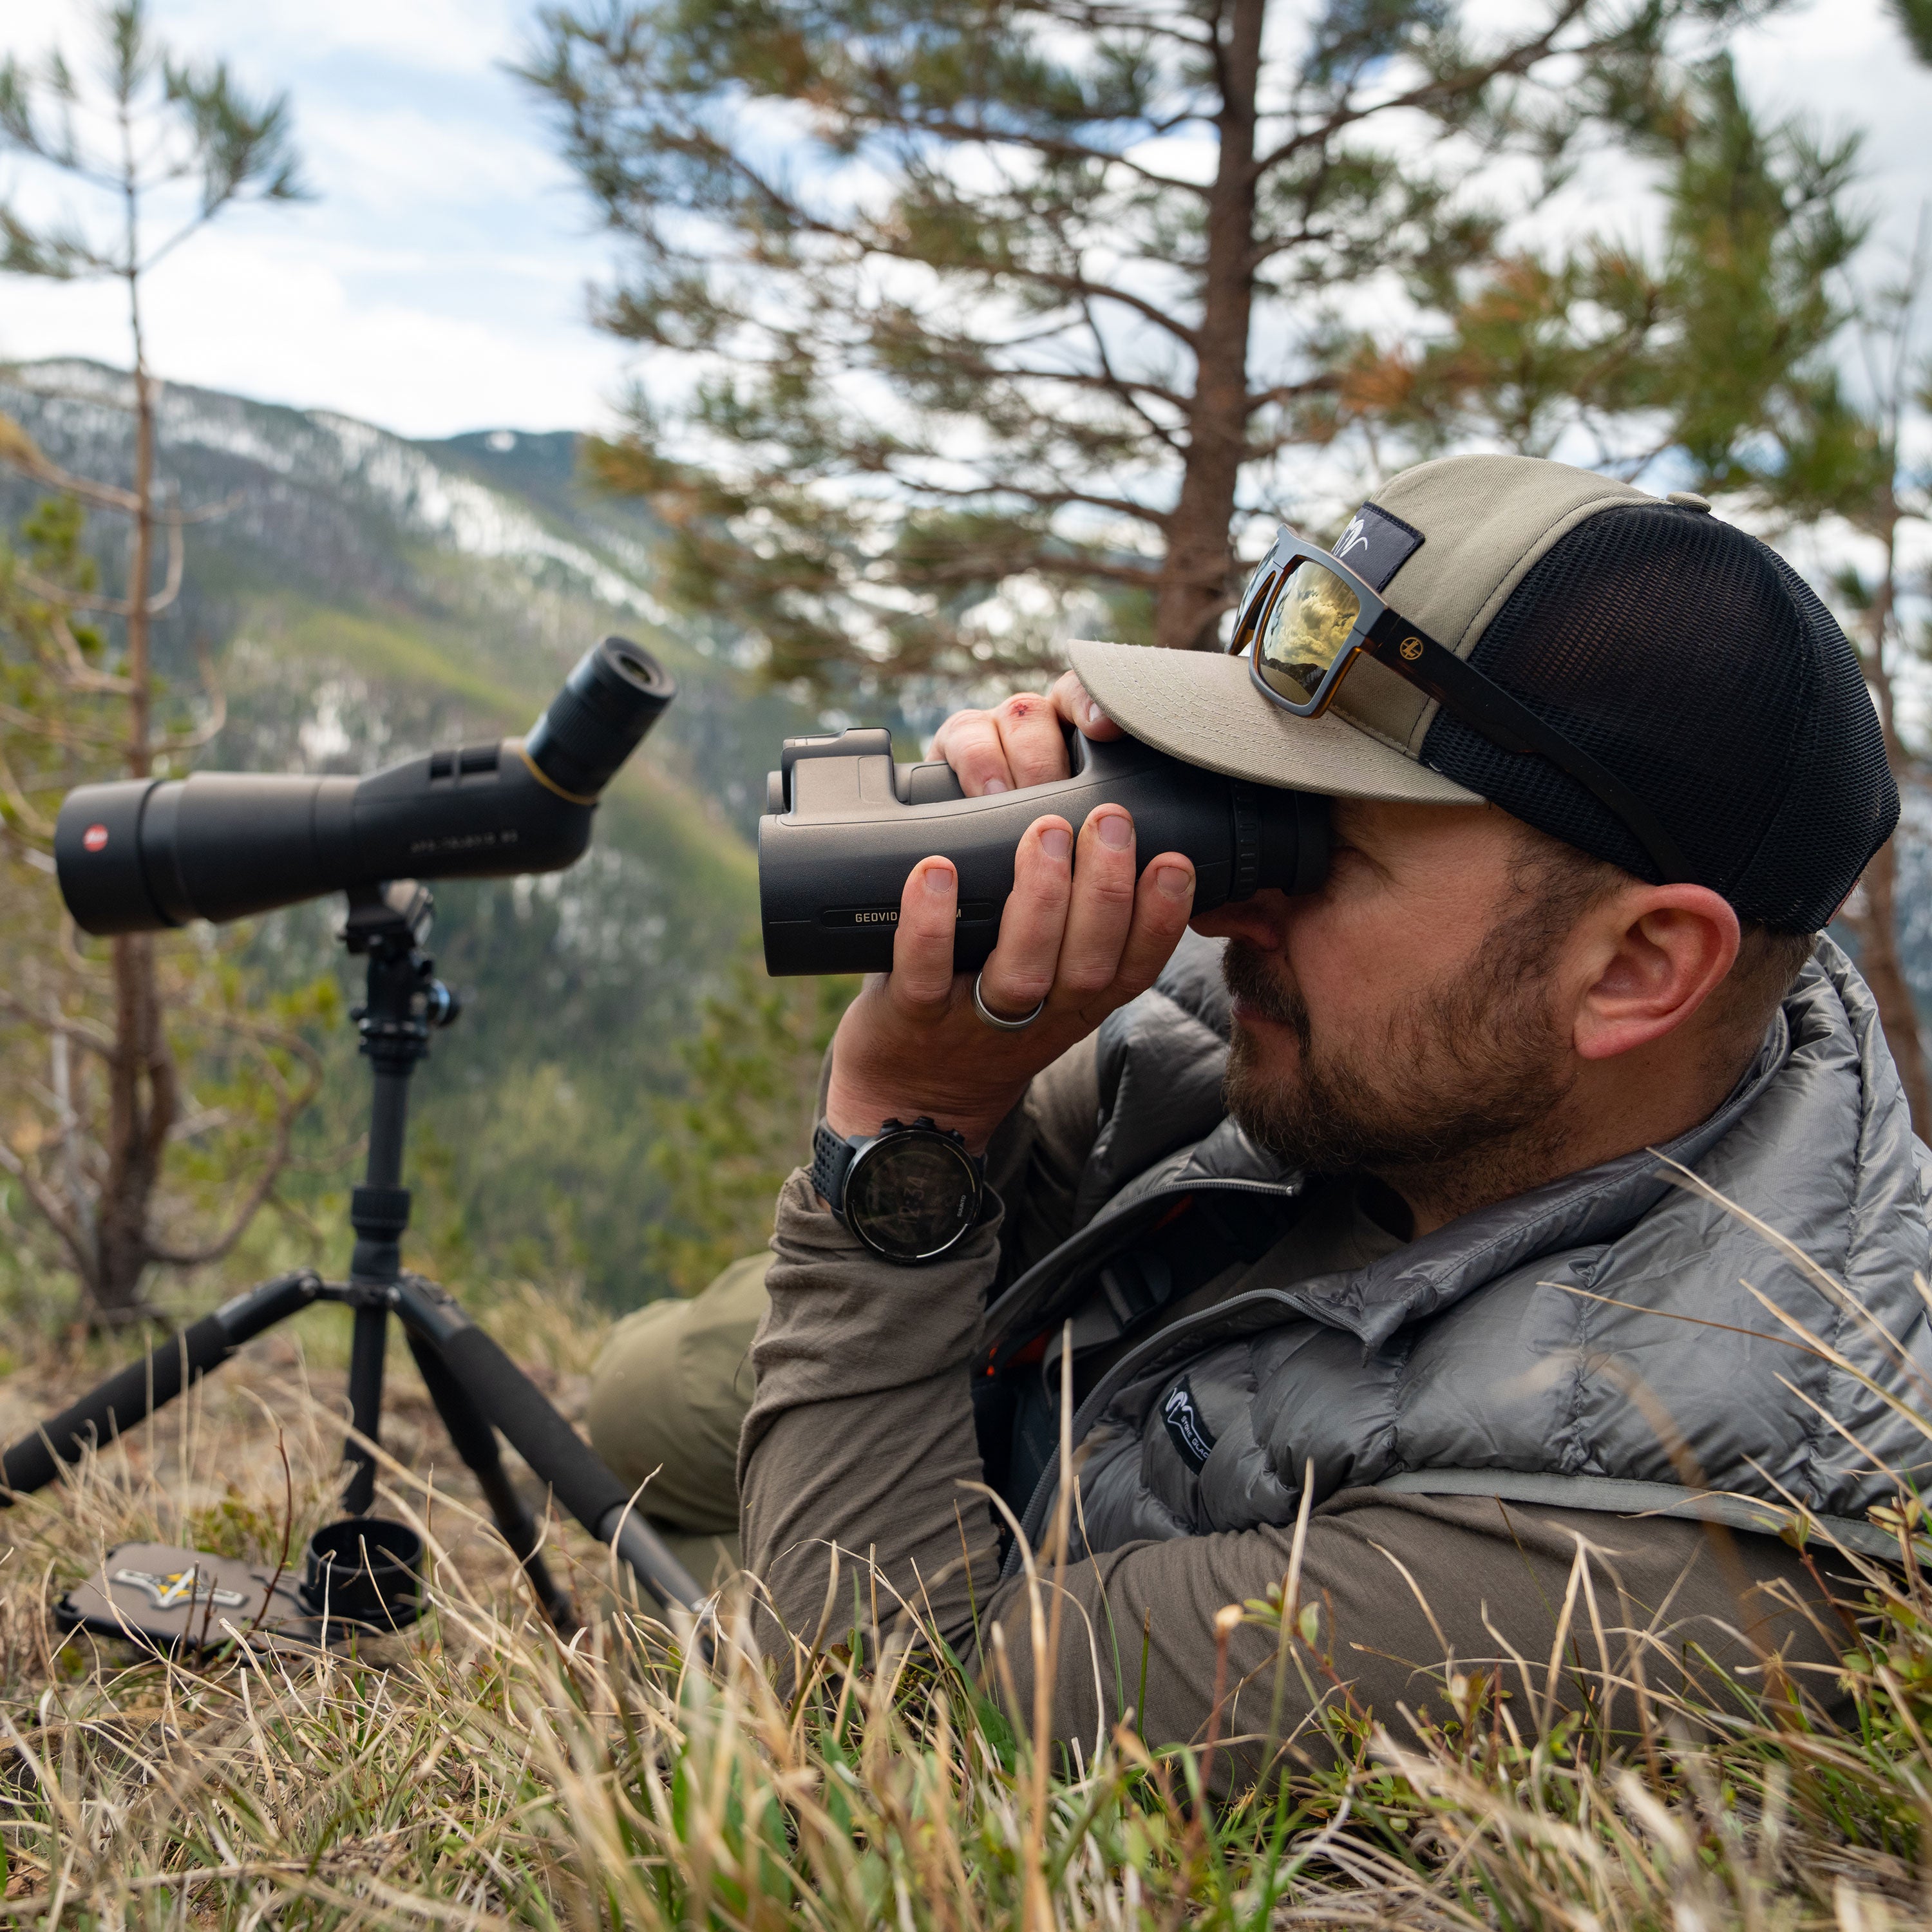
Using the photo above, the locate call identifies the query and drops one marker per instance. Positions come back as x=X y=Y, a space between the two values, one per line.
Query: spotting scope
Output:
x=141 y=854
x=844 y=825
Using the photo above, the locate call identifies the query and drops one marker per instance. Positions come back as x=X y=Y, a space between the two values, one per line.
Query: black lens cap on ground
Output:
x=363 y=1570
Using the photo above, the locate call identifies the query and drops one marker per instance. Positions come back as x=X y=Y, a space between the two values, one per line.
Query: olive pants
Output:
x=667 y=1397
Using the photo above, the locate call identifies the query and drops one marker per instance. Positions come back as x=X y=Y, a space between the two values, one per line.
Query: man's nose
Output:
x=1262 y=920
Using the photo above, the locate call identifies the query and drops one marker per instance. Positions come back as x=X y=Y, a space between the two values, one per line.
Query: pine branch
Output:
x=47 y=1205
x=290 y=1104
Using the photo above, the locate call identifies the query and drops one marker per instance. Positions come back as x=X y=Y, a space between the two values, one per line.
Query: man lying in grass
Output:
x=1540 y=1183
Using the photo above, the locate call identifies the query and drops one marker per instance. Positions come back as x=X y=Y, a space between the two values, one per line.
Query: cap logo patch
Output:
x=1376 y=545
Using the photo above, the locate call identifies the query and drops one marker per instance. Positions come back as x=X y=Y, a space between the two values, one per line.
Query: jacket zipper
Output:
x=1116 y=1377
x=1161 y=1196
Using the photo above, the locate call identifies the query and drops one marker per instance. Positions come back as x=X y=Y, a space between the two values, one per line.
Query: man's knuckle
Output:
x=1021 y=989
x=1087 y=975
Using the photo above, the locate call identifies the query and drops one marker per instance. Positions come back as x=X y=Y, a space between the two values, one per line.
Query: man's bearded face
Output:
x=1460 y=1084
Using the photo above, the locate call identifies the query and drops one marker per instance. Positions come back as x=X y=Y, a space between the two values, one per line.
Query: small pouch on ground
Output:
x=161 y=1595
x=361 y=1576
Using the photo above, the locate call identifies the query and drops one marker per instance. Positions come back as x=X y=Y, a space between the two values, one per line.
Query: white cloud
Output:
x=265 y=320
x=437 y=284
x=435 y=36
x=402 y=162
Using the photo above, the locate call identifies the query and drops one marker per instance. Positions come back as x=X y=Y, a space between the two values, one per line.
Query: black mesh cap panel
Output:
x=1696 y=665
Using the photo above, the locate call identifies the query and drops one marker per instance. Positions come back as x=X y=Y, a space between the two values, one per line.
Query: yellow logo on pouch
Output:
x=1411 y=648
x=179 y=1586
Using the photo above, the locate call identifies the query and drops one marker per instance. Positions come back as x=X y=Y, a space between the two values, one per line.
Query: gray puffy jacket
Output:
x=1614 y=1340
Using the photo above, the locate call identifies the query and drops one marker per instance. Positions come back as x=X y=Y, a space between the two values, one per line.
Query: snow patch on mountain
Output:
x=456 y=511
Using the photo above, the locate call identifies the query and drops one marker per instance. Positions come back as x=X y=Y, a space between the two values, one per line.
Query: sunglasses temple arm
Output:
x=1466 y=694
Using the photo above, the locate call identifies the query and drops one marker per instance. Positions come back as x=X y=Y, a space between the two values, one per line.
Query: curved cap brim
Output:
x=1202 y=706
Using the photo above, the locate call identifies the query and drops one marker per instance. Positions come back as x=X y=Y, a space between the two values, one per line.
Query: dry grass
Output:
x=476 y=1772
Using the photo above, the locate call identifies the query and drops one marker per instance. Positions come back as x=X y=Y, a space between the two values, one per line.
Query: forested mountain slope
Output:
x=366 y=597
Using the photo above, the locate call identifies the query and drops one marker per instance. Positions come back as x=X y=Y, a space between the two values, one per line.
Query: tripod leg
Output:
x=560 y=1457
x=132 y=1394
x=370 y=1342
x=475 y=1442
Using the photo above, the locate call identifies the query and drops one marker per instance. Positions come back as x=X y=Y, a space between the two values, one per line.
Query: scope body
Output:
x=142 y=854
x=845 y=825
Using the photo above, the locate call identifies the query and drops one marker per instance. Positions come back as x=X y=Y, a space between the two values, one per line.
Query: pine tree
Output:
x=1040 y=296
x=153 y=138
x=1683 y=358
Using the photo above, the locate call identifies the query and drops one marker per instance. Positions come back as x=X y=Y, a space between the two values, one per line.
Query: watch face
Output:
x=911 y=1195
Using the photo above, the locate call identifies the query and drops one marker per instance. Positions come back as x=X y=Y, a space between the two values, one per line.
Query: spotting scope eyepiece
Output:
x=845 y=825
x=613 y=697
x=142 y=854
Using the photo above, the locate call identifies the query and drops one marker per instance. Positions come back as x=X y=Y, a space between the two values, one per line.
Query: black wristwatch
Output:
x=910 y=1193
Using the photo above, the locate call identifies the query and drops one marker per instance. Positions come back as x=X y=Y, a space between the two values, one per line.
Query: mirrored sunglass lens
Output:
x=1310 y=622
x=1252 y=593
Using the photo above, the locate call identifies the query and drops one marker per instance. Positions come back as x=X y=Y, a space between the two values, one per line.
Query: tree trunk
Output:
x=143 y=1095
x=140 y=667
x=1195 y=575
x=143 y=1102
x=1877 y=924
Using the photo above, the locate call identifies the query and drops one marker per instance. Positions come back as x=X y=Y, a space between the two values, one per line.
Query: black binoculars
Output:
x=845 y=825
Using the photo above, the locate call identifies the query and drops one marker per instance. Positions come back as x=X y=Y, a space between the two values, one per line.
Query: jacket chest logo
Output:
x=1191 y=1436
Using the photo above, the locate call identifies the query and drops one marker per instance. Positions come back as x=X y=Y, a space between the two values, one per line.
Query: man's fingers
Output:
x=922 y=975
x=969 y=742
x=1162 y=903
x=1020 y=973
x=1020 y=743
x=1070 y=699
x=1103 y=903
x=1029 y=729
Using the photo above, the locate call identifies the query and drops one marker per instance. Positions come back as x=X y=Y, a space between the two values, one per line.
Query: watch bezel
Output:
x=882 y=1145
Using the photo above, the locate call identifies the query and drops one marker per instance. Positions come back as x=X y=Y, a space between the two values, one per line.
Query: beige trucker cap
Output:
x=1686 y=662
x=1446 y=543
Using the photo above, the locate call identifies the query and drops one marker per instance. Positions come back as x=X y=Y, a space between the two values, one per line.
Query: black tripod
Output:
x=477 y=1389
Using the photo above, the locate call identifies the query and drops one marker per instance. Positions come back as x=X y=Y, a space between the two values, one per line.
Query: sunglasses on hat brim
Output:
x=1310 y=618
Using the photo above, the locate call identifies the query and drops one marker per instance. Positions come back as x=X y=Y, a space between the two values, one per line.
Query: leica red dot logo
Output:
x=94 y=838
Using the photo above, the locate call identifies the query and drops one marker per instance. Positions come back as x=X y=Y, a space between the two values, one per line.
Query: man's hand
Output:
x=1019 y=742
x=1081 y=932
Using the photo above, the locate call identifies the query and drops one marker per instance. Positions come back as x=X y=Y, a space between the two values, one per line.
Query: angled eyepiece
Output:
x=617 y=692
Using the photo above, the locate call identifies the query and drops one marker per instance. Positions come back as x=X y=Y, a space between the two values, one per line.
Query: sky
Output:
x=438 y=282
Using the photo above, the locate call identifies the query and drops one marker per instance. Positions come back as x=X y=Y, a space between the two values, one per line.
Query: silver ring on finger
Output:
x=991 y=1018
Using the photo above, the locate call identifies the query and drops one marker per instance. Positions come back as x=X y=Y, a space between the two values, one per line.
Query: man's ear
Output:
x=1658 y=952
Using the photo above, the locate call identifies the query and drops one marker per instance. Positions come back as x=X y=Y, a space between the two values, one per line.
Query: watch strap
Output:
x=831 y=1160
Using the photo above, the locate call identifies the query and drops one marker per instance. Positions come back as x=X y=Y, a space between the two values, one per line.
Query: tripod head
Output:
x=387 y=924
